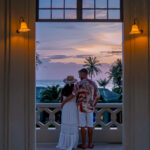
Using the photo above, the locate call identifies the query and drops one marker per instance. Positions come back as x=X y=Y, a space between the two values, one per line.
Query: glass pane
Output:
x=101 y=3
x=114 y=4
x=88 y=14
x=88 y=3
x=101 y=14
x=58 y=14
x=70 y=14
x=114 y=14
x=70 y=3
x=58 y=3
x=44 y=4
x=44 y=14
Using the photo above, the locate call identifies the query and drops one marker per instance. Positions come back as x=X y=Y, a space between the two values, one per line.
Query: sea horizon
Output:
x=45 y=83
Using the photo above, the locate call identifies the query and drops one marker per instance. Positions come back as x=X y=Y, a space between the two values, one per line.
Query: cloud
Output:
x=65 y=36
x=48 y=58
x=72 y=42
x=116 y=52
x=59 y=71
x=55 y=45
x=59 y=57
x=45 y=60
x=67 y=26
x=112 y=52
x=81 y=56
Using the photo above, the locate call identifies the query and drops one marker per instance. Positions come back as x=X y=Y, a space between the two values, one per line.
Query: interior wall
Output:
x=136 y=77
x=17 y=76
x=2 y=109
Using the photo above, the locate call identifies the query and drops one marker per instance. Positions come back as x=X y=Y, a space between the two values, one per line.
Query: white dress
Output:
x=69 y=134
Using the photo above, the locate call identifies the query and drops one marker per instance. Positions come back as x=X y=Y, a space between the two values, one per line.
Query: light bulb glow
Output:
x=135 y=29
x=24 y=27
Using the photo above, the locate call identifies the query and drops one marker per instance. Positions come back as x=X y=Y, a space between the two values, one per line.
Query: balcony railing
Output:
x=107 y=122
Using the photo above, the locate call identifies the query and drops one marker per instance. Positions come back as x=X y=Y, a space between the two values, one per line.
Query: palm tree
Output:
x=51 y=93
x=103 y=83
x=92 y=65
x=115 y=74
x=38 y=61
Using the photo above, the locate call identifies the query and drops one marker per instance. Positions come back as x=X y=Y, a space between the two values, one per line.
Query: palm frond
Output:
x=92 y=65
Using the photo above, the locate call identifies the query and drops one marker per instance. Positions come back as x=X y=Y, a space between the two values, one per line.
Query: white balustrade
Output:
x=107 y=122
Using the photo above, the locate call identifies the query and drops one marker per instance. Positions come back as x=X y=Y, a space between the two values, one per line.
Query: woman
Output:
x=69 y=124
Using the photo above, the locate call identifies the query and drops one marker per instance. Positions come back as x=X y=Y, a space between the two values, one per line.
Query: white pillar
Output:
x=136 y=77
x=17 y=76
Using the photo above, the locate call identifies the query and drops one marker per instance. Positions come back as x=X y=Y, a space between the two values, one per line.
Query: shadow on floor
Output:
x=98 y=146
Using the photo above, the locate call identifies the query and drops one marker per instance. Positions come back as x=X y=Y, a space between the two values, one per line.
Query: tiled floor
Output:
x=98 y=146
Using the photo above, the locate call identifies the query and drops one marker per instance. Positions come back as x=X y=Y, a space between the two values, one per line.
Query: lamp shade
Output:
x=135 y=29
x=24 y=27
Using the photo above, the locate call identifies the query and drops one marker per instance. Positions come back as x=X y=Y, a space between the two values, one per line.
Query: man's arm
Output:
x=95 y=101
x=96 y=95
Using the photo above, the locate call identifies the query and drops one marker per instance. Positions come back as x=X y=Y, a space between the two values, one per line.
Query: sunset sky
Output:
x=63 y=47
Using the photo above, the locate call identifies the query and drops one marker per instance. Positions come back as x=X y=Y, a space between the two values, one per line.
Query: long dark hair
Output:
x=67 y=90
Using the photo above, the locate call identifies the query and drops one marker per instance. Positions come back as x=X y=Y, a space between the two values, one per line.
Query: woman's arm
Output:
x=61 y=97
x=67 y=100
x=74 y=93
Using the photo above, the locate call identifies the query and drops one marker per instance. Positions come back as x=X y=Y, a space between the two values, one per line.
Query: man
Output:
x=87 y=95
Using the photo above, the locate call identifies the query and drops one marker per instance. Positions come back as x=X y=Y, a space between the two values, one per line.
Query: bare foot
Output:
x=91 y=146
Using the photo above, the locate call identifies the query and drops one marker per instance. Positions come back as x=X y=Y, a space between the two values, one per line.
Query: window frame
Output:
x=79 y=11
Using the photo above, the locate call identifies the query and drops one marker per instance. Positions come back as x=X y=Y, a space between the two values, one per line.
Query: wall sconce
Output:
x=23 y=26
x=135 y=29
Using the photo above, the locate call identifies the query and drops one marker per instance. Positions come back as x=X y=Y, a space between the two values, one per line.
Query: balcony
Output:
x=107 y=123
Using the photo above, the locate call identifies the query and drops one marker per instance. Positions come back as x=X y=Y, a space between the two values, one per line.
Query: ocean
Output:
x=45 y=83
